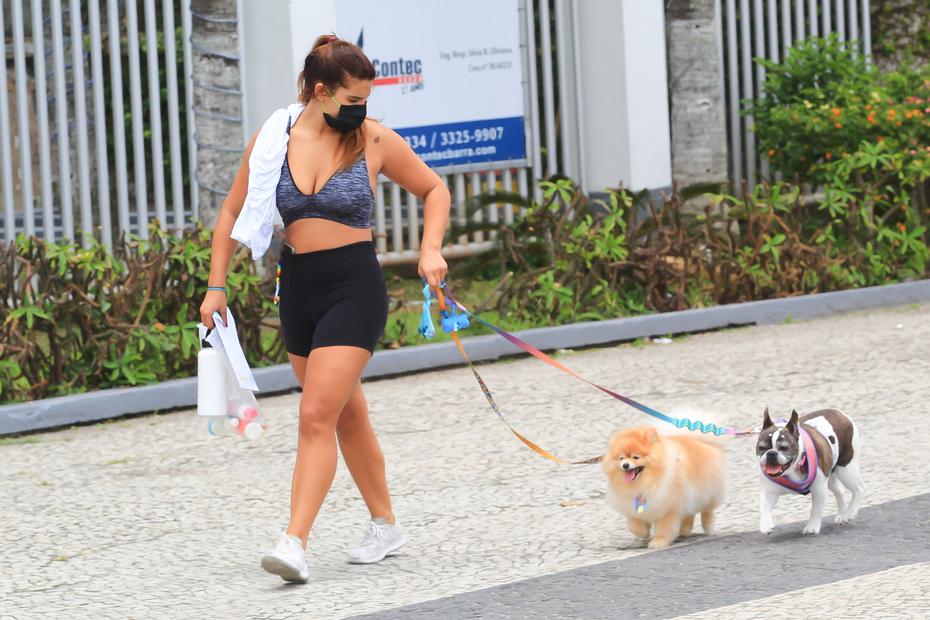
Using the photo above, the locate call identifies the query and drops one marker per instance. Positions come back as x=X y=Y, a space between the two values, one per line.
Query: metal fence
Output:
x=96 y=139
x=767 y=29
x=87 y=146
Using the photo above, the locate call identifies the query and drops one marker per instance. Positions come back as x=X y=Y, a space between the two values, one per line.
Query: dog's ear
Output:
x=766 y=420
x=792 y=426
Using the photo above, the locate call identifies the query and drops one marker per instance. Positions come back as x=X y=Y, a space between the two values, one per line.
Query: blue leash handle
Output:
x=426 y=328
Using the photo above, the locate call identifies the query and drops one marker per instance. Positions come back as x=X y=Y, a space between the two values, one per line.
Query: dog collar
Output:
x=808 y=457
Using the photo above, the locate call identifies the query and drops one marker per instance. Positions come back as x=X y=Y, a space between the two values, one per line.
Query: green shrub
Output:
x=78 y=318
x=569 y=258
x=825 y=101
x=831 y=119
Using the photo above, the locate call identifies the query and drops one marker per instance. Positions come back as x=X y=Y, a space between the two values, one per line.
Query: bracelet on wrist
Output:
x=216 y=288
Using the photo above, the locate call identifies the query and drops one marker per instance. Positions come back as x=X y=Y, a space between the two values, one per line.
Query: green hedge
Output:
x=78 y=318
x=573 y=259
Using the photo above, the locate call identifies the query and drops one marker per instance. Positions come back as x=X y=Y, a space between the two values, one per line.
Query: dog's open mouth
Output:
x=632 y=474
x=774 y=469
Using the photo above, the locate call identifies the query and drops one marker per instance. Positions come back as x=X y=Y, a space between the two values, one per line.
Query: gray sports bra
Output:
x=345 y=198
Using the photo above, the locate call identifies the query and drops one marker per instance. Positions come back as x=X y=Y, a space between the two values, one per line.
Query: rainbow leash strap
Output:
x=277 y=284
x=452 y=322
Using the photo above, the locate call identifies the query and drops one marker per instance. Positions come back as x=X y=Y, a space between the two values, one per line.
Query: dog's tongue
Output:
x=630 y=475
x=772 y=469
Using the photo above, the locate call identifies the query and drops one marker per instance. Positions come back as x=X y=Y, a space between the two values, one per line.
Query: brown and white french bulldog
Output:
x=810 y=454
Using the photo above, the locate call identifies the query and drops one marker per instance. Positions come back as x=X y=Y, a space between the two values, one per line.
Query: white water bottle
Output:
x=211 y=382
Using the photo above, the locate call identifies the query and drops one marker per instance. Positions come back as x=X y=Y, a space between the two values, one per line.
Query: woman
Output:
x=333 y=300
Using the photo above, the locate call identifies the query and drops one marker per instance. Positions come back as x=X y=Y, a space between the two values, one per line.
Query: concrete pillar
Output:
x=698 y=116
x=278 y=35
x=624 y=94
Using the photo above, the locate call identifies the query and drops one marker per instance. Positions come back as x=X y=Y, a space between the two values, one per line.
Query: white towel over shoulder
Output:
x=255 y=223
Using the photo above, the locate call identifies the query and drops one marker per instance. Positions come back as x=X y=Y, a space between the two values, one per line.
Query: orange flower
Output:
x=771 y=152
x=837 y=111
x=891 y=115
x=871 y=118
x=828 y=155
x=839 y=125
x=902 y=227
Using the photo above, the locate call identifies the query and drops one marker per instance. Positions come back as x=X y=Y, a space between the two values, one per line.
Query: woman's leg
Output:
x=331 y=375
x=360 y=448
x=363 y=455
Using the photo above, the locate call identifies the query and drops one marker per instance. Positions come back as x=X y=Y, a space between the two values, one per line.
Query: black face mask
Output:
x=350 y=117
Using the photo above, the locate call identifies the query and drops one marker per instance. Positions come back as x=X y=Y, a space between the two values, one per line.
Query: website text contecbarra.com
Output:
x=443 y=154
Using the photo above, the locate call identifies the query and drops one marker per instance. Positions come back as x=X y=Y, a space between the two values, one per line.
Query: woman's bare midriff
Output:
x=315 y=234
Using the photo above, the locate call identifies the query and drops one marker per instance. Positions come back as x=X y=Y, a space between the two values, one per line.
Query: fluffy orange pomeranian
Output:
x=663 y=481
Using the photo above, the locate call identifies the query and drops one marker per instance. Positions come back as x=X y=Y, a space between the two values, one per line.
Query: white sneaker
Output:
x=382 y=540
x=288 y=560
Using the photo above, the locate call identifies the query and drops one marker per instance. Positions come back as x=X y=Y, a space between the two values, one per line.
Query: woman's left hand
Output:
x=432 y=267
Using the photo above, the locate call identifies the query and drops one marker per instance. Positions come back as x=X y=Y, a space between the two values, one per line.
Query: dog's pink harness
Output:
x=809 y=458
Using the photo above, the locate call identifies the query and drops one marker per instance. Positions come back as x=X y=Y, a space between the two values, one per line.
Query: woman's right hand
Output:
x=214 y=301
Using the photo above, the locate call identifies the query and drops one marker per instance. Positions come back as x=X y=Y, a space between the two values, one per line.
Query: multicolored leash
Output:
x=452 y=322
x=277 y=283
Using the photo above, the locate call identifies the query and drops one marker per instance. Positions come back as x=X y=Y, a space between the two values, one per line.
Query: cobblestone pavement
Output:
x=146 y=518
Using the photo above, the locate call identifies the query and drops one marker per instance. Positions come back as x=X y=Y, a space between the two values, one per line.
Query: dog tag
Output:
x=639 y=504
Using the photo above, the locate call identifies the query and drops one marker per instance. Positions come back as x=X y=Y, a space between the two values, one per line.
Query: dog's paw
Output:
x=811 y=528
x=659 y=543
x=766 y=527
x=841 y=518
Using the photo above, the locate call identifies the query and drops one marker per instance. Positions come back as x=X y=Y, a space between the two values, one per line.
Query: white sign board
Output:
x=449 y=74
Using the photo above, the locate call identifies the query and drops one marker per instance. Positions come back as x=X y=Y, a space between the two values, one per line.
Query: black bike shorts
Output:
x=334 y=297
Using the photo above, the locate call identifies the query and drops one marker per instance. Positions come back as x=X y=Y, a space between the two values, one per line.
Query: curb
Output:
x=182 y=393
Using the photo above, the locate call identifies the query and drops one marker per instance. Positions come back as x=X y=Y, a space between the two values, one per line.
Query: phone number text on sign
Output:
x=445 y=138
x=499 y=139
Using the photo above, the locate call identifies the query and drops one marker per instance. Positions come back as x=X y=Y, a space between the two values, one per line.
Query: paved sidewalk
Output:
x=146 y=518
x=748 y=573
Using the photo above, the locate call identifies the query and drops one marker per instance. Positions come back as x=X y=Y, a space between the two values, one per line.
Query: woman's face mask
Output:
x=349 y=118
